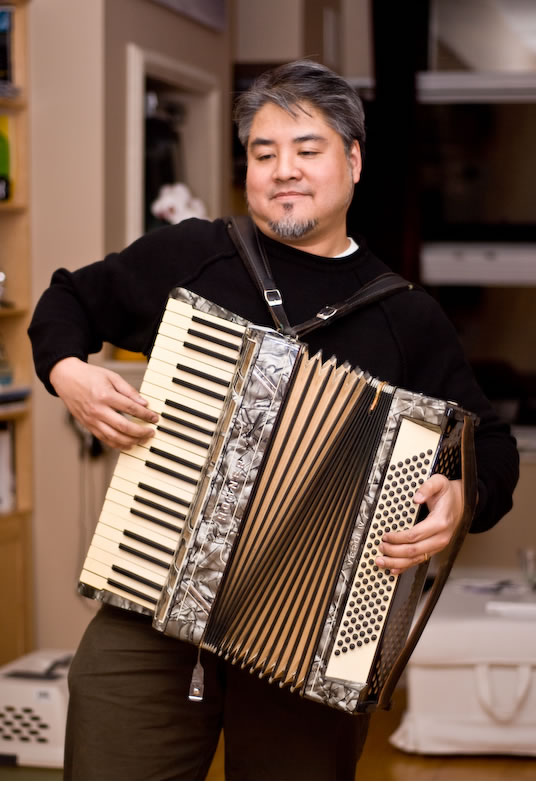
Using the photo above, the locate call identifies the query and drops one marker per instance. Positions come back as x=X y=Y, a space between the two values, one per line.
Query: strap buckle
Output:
x=273 y=297
x=326 y=312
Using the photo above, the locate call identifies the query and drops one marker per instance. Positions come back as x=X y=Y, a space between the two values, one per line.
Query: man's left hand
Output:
x=406 y=548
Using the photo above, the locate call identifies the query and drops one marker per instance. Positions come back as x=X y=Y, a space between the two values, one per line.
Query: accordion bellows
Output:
x=250 y=523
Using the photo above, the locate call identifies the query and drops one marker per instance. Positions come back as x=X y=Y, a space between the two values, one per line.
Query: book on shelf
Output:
x=13 y=394
x=13 y=400
x=7 y=469
x=7 y=21
x=6 y=159
x=6 y=42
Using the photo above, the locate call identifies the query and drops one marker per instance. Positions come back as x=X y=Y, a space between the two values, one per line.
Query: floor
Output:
x=380 y=761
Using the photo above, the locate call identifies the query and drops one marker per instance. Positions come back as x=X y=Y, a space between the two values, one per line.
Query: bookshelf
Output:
x=16 y=604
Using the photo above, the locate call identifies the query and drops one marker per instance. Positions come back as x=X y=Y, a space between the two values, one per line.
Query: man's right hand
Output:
x=99 y=399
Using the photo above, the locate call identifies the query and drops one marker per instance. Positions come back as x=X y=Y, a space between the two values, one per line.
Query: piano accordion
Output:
x=249 y=524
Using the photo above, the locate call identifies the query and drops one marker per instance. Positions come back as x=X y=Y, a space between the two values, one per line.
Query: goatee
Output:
x=291 y=229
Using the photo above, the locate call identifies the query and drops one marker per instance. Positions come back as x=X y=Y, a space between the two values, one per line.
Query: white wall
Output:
x=481 y=36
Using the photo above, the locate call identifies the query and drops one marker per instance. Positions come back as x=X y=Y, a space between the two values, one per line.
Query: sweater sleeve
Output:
x=435 y=360
x=119 y=299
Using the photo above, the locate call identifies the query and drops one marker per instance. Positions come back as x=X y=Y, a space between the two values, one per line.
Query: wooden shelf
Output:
x=12 y=207
x=12 y=311
x=16 y=584
x=10 y=104
x=13 y=411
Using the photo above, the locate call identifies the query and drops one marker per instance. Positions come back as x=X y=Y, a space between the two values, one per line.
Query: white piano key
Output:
x=143 y=507
x=121 y=517
x=166 y=329
x=168 y=433
x=185 y=419
x=182 y=394
x=99 y=567
x=225 y=360
x=134 y=470
x=99 y=582
x=137 y=564
x=187 y=473
x=174 y=449
x=186 y=310
x=185 y=478
x=130 y=490
x=158 y=545
x=138 y=526
x=184 y=374
x=155 y=385
x=220 y=371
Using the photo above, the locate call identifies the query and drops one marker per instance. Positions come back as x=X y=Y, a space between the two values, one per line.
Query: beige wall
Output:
x=498 y=548
x=356 y=39
x=67 y=191
x=268 y=32
x=77 y=57
x=175 y=37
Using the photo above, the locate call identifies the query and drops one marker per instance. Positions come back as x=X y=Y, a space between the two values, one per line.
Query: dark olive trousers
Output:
x=130 y=717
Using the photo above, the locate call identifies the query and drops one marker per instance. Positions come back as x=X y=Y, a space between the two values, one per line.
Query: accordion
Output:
x=249 y=524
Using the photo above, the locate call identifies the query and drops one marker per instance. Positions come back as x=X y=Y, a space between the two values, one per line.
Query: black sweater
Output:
x=405 y=339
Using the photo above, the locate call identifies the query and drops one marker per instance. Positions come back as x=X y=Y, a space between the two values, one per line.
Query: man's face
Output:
x=300 y=180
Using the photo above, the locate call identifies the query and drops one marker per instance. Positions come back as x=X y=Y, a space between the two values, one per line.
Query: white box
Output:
x=33 y=709
x=471 y=681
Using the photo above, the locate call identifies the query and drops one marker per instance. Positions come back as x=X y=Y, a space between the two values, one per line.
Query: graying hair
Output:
x=304 y=81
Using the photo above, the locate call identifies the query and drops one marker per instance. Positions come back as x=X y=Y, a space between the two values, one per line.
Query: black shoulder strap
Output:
x=246 y=240
x=245 y=236
x=377 y=289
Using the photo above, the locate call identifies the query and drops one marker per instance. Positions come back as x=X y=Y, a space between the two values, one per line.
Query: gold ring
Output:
x=426 y=557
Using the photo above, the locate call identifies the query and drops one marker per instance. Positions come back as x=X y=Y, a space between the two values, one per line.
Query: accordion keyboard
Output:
x=188 y=376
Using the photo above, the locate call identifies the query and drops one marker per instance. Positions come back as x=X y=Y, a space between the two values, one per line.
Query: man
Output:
x=303 y=129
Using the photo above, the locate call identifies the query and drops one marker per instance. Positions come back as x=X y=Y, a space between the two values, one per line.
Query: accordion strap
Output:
x=245 y=236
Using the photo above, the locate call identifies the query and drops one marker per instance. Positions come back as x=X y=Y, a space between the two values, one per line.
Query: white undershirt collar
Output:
x=352 y=247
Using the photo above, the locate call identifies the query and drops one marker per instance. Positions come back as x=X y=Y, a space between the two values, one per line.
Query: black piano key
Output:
x=172 y=473
x=144 y=556
x=163 y=524
x=159 y=507
x=150 y=542
x=193 y=411
x=130 y=590
x=177 y=459
x=187 y=424
x=200 y=374
x=206 y=337
x=182 y=436
x=200 y=389
x=217 y=326
x=205 y=351
x=139 y=578
x=165 y=495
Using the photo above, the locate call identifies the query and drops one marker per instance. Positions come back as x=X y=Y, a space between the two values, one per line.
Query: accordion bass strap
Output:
x=448 y=556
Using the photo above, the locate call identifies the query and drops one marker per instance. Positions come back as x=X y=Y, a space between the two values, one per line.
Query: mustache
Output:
x=288 y=190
